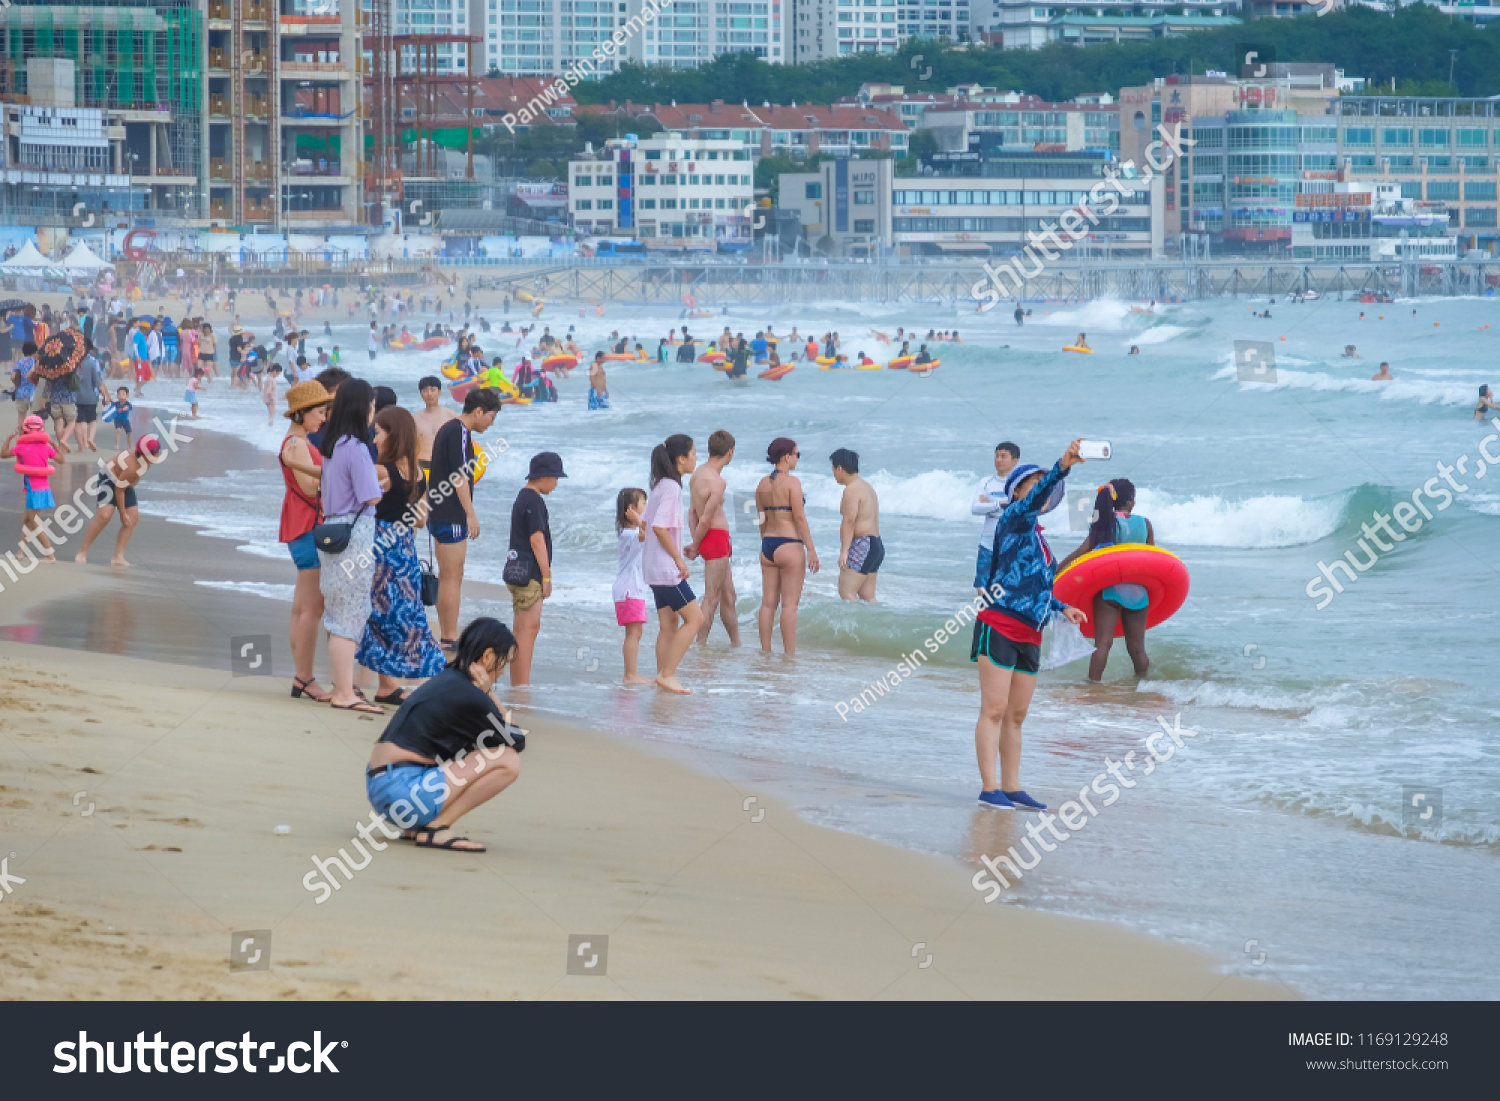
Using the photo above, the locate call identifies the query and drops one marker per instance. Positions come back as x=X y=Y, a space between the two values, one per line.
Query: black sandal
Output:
x=395 y=697
x=300 y=689
x=364 y=707
x=433 y=831
x=448 y=643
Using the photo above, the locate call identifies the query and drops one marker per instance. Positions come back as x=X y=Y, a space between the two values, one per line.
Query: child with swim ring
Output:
x=1125 y=603
x=1008 y=633
x=33 y=451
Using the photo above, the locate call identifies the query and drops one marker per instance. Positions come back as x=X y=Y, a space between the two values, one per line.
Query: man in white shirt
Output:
x=990 y=502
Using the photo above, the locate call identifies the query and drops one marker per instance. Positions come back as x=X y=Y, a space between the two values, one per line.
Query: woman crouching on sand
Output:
x=451 y=747
x=1008 y=633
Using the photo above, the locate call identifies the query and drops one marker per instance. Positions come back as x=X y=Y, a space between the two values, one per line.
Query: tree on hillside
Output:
x=1411 y=45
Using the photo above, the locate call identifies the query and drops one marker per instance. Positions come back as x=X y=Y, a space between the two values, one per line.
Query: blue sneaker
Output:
x=996 y=799
x=1023 y=801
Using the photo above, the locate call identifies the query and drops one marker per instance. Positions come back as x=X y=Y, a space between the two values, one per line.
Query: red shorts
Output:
x=715 y=545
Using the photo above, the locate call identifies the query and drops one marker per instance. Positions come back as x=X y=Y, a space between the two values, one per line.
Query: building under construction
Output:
x=142 y=64
x=283 y=134
x=418 y=104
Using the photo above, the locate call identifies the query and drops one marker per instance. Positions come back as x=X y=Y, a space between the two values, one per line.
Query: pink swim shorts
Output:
x=630 y=611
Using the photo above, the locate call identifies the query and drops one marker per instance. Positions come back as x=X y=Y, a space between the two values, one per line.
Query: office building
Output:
x=844 y=207
x=1254 y=141
x=1434 y=150
x=667 y=191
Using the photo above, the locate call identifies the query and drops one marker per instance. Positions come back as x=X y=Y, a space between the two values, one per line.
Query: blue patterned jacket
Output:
x=1023 y=563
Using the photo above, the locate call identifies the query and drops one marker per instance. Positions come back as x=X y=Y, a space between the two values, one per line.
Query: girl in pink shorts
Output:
x=630 y=583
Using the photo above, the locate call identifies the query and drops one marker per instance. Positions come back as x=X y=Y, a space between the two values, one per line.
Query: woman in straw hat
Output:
x=301 y=471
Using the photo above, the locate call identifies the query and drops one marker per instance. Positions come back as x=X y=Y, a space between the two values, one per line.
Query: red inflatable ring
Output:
x=1162 y=573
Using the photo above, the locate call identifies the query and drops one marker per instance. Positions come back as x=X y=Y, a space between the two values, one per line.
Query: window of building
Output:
x=581 y=181
x=1395 y=135
x=585 y=204
x=669 y=204
x=1472 y=138
x=1446 y=190
x=1480 y=215
x=864 y=225
x=813 y=191
x=648 y=204
x=604 y=181
x=1358 y=136
x=1432 y=138
x=864 y=198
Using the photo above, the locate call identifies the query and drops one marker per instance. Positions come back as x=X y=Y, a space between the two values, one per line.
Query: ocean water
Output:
x=1282 y=838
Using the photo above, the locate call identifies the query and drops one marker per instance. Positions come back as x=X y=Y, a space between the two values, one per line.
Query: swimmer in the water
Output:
x=1361 y=315
x=1082 y=341
x=1384 y=375
x=1350 y=353
x=1134 y=350
x=1486 y=402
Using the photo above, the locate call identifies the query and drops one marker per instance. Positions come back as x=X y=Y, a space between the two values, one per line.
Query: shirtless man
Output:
x=598 y=391
x=430 y=418
x=711 y=537
x=860 y=550
x=1384 y=375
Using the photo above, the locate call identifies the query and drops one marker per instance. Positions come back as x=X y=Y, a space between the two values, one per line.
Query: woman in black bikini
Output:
x=786 y=547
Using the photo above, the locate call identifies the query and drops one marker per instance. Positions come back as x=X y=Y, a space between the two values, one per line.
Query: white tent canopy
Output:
x=25 y=261
x=82 y=259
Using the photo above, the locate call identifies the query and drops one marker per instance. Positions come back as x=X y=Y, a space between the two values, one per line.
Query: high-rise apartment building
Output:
x=822 y=29
x=541 y=37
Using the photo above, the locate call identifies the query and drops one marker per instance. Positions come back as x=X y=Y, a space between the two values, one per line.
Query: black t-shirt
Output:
x=394 y=503
x=448 y=714
x=528 y=516
x=236 y=343
x=452 y=450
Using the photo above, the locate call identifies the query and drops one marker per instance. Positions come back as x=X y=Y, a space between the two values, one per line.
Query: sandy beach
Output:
x=143 y=786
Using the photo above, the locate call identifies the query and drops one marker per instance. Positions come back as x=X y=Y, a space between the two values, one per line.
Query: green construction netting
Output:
x=449 y=138
x=317 y=143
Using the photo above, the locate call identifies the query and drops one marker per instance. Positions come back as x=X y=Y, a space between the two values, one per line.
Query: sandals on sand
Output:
x=430 y=832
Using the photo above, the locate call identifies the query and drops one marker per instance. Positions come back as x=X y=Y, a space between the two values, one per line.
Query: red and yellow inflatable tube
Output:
x=1163 y=574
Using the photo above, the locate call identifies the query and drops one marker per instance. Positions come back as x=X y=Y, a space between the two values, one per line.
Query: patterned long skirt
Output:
x=397 y=640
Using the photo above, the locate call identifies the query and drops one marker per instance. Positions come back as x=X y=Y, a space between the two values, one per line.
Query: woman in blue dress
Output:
x=397 y=642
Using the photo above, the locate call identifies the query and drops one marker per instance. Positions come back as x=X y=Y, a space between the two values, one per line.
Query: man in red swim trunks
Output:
x=711 y=537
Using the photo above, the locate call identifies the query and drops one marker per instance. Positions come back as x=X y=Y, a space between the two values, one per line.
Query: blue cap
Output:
x=1019 y=473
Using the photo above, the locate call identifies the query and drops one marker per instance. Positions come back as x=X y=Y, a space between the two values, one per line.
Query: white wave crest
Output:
x=1268 y=521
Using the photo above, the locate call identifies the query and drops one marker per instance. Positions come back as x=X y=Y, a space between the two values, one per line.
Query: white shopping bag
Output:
x=1065 y=642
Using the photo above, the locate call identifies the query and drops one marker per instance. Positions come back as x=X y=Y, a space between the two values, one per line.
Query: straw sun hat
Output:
x=305 y=395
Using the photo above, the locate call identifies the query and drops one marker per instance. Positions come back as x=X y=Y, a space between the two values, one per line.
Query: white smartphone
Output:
x=1093 y=449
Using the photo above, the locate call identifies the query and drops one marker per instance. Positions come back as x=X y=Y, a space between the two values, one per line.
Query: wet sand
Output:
x=143 y=784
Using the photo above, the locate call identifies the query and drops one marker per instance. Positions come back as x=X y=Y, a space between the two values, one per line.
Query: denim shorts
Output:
x=403 y=783
x=305 y=552
x=449 y=533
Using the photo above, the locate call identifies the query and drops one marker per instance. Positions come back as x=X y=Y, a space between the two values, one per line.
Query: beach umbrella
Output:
x=61 y=354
